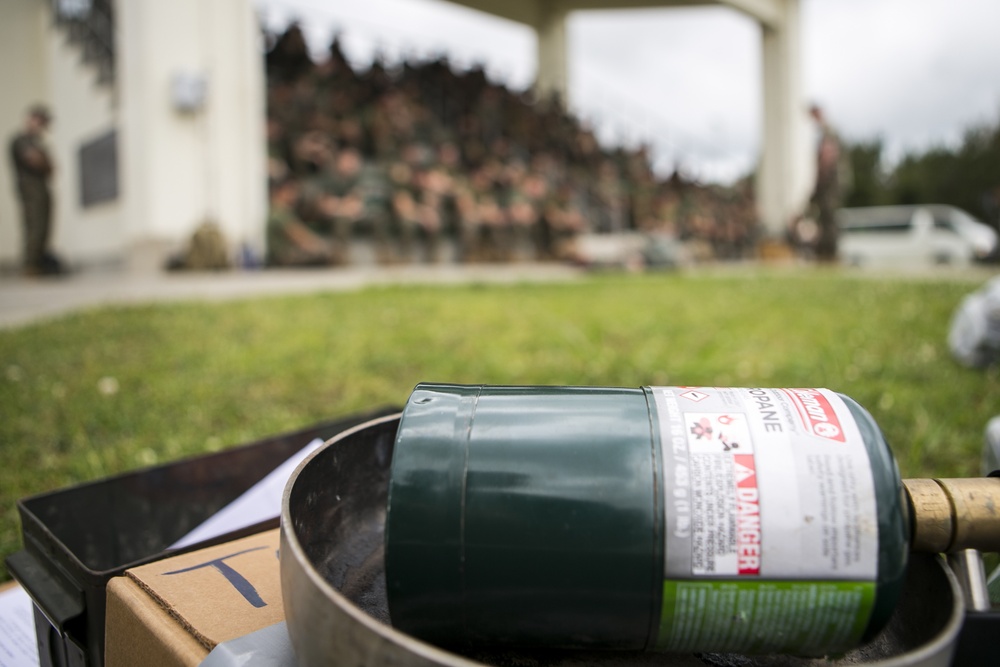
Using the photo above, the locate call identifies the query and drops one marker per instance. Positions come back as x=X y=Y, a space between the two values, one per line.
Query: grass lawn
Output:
x=109 y=390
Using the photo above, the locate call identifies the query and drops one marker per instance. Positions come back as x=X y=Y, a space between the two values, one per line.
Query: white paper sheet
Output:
x=17 y=629
x=259 y=503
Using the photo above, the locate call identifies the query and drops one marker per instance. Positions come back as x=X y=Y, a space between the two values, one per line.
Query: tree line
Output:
x=966 y=176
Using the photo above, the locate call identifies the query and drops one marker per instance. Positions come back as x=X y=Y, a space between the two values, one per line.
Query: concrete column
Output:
x=552 y=72
x=785 y=173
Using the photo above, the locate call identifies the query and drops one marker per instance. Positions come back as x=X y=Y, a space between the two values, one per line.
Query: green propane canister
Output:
x=660 y=518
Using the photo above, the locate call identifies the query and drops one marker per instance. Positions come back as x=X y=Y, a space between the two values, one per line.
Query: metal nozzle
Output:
x=953 y=514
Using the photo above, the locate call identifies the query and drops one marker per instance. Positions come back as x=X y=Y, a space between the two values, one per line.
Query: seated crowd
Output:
x=432 y=163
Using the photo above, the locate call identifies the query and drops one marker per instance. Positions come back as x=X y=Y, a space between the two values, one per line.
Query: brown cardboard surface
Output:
x=174 y=611
x=140 y=632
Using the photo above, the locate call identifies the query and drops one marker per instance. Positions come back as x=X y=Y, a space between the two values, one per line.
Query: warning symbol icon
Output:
x=694 y=395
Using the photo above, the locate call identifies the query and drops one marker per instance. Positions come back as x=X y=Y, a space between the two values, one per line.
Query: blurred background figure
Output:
x=440 y=164
x=827 y=192
x=290 y=242
x=33 y=171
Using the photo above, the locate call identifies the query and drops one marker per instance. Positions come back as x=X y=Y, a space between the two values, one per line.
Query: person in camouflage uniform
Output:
x=33 y=171
x=452 y=160
x=376 y=198
x=523 y=196
x=826 y=195
x=418 y=211
x=289 y=241
x=486 y=236
x=564 y=222
x=340 y=201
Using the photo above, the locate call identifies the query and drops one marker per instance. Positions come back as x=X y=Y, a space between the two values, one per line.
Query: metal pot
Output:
x=333 y=583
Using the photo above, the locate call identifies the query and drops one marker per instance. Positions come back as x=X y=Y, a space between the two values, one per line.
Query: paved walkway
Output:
x=23 y=300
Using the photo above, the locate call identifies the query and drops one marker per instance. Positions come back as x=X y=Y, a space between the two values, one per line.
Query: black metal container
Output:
x=76 y=539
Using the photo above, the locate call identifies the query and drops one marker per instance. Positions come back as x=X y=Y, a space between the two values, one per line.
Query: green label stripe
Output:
x=803 y=617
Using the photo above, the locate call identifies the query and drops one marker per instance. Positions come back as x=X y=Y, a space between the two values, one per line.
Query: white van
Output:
x=913 y=236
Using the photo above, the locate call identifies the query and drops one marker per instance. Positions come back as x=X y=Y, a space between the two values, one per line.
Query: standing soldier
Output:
x=33 y=170
x=826 y=195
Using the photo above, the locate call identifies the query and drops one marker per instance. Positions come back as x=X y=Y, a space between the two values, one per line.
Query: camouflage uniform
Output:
x=562 y=223
x=343 y=201
x=33 y=168
x=285 y=236
x=418 y=207
x=376 y=196
x=826 y=195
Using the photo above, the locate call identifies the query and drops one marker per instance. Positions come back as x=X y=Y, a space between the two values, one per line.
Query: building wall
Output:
x=83 y=110
x=187 y=166
x=23 y=33
x=176 y=168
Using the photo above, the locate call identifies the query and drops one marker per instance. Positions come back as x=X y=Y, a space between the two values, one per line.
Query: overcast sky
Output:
x=687 y=80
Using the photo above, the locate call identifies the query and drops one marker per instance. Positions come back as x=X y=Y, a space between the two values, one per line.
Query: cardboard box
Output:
x=174 y=611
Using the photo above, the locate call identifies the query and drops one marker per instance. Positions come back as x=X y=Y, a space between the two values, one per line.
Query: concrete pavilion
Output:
x=159 y=111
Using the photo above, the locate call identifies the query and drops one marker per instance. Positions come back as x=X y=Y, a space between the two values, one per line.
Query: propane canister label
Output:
x=770 y=519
